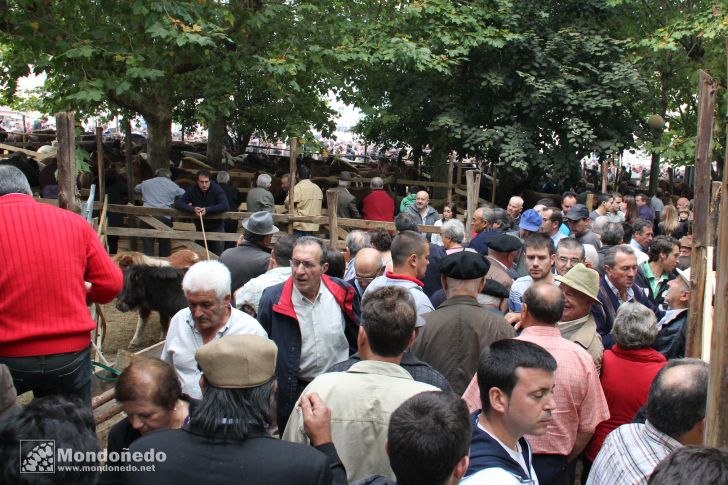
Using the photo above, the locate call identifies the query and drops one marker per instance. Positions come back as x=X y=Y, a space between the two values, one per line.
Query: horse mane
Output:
x=127 y=258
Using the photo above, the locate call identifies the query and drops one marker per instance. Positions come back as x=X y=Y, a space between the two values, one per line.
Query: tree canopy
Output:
x=531 y=87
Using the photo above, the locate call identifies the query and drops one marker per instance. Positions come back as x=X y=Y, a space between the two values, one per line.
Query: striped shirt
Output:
x=630 y=454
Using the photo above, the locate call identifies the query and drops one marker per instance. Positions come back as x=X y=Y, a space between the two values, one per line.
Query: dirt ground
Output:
x=120 y=329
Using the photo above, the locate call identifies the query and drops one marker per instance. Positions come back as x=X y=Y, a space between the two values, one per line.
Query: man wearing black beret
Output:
x=503 y=253
x=456 y=333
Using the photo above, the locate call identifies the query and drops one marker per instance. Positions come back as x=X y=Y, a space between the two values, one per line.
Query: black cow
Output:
x=148 y=288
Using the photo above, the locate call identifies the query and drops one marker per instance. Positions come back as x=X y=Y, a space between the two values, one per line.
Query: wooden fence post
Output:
x=332 y=204
x=450 y=167
x=492 y=189
x=716 y=428
x=67 y=162
x=605 y=175
x=698 y=270
x=589 y=202
x=129 y=177
x=100 y=162
x=25 y=137
x=473 y=179
x=292 y=178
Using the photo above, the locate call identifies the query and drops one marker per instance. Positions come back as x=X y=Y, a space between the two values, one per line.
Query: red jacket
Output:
x=46 y=254
x=378 y=206
x=626 y=379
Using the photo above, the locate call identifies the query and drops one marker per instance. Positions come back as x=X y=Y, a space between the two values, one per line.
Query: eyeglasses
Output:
x=564 y=260
x=369 y=279
x=306 y=264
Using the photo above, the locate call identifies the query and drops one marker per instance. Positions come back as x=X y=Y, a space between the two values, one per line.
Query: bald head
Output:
x=677 y=400
x=368 y=265
x=543 y=304
x=422 y=199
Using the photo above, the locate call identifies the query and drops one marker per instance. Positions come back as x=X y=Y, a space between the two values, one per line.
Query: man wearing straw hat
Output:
x=250 y=258
x=580 y=286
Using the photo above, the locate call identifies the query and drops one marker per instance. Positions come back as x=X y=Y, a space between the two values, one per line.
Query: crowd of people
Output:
x=547 y=345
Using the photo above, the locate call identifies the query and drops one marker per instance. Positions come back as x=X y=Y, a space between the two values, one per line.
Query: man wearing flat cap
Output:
x=503 y=251
x=347 y=202
x=226 y=439
x=251 y=257
x=460 y=328
x=580 y=286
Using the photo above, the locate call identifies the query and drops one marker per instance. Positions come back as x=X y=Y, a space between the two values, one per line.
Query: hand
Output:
x=200 y=211
x=514 y=318
x=316 y=419
x=241 y=240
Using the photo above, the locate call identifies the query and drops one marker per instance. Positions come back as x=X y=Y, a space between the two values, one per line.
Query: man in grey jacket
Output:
x=423 y=211
x=260 y=198
x=410 y=253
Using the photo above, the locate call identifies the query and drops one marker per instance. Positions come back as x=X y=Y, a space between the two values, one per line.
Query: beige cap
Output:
x=582 y=279
x=238 y=361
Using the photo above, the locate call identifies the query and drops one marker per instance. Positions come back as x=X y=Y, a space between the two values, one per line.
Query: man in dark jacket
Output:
x=250 y=258
x=460 y=328
x=204 y=199
x=618 y=286
x=312 y=318
x=672 y=328
x=510 y=373
x=226 y=440
x=347 y=202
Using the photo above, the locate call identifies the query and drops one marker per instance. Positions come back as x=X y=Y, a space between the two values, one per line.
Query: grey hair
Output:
x=163 y=172
x=635 y=326
x=611 y=254
x=487 y=214
x=356 y=241
x=454 y=230
x=264 y=180
x=13 y=181
x=613 y=234
x=591 y=255
x=599 y=224
x=222 y=177
x=208 y=276
x=376 y=183
x=312 y=241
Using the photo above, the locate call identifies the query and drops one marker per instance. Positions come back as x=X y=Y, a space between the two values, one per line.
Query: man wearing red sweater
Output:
x=378 y=205
x=52 y=265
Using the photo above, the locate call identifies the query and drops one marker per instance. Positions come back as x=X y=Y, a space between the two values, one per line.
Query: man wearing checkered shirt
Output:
x=675 y=418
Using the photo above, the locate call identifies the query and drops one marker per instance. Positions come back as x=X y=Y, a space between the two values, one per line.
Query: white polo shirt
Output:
x=183 y=340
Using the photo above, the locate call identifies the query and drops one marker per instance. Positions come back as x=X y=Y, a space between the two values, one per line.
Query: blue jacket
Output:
x=485 y=452
x=278 y=317
x=671 y=338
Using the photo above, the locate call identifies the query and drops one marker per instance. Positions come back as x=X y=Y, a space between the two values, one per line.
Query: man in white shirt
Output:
x=208 y=317
x=516 y=381
x=313 y=318
x=247 y=298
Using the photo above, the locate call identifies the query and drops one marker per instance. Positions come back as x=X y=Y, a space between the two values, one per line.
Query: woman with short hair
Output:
x=151 y=397
x=631 y=360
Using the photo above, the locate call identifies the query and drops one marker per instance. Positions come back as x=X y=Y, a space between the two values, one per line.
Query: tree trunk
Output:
x=216 y=133
x=159 y=140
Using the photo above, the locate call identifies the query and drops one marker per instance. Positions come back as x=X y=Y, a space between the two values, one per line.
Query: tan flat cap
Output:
x=238 y=361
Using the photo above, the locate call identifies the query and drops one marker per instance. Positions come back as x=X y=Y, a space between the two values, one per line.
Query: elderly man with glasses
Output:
x=569 y=253
x=313 y=318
